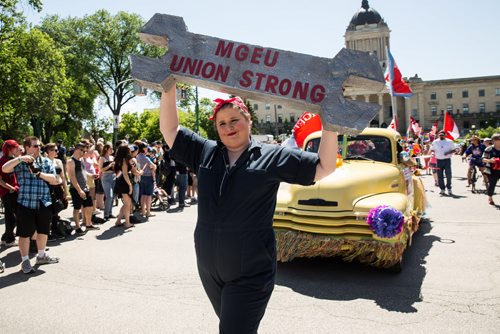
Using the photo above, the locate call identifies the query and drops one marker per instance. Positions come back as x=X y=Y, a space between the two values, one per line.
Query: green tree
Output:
x=129 y=126
x=487 y=132
x=34 y=85
x=45 y=84
x=12 y=19
x=98 y=127
x=12 y=66
x=108 y=41
x=82 y=91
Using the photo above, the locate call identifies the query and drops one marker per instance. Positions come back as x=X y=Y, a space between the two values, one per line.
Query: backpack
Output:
x=63 y=227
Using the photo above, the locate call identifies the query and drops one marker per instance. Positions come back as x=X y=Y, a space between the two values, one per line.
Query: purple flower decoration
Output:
x=385 y=221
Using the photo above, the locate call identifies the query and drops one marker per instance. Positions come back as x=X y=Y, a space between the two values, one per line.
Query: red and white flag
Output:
x=394 y=124
x=414 y=127
x=306 y=124
x=450 y=127
x=394 y=79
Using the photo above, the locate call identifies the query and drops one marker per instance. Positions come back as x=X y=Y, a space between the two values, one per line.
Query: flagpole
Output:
x=394 y=109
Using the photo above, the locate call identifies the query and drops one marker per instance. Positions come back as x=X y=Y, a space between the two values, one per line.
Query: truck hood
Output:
x=341 y=190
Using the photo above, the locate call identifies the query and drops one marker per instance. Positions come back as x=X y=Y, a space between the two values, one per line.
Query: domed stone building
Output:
x=473 y=102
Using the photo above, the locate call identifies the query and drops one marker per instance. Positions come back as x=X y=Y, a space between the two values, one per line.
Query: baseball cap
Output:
x=9 y=144
x=487 y=139
x=441 y=132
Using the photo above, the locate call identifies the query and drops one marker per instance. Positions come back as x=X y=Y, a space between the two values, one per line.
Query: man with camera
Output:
x=34 y=212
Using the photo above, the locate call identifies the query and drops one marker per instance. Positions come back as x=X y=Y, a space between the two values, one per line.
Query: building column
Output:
x=381 y=111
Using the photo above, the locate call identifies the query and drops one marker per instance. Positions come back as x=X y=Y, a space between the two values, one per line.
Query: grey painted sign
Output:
x=264 y=74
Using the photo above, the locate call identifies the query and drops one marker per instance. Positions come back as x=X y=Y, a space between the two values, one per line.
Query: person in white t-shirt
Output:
x=443 y=149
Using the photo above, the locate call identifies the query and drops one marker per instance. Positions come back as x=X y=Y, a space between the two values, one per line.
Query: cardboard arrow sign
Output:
x=265 y=74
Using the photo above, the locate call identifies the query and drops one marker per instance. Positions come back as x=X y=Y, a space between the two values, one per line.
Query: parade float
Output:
x=366 y=211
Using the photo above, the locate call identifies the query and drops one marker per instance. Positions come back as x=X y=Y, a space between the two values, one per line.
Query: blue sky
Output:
x=439 y=39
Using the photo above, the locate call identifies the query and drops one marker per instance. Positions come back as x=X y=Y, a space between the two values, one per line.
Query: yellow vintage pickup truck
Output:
x=334 y=217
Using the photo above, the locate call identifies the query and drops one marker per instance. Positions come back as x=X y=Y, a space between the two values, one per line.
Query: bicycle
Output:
x=474 y=178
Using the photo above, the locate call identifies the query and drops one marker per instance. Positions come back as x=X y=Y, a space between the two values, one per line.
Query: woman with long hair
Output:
x=106 y=168
x=60 y=191
x=123 y=184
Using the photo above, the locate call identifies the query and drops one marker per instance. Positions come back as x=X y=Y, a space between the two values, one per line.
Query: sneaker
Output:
x=79 y=231
x=26 y=267
x=450 y=192
x=46 y=260
x=442 y=192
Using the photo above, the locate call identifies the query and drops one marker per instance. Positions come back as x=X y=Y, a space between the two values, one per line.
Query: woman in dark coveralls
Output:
x=238 y=180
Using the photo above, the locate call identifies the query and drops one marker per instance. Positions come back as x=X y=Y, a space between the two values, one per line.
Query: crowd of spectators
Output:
x=38 y=181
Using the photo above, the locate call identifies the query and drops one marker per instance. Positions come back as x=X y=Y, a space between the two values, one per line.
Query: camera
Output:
x=58 y=170
x=34 y=169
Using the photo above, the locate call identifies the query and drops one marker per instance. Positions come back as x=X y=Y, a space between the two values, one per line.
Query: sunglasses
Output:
x=36 y=145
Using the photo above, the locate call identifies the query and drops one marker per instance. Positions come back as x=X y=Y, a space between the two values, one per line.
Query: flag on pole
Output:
x=450 y=127
x=306 y=124
x=394 y=124
x=397 y=86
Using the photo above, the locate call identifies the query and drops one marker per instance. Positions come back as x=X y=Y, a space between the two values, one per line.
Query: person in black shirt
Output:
x=491 y=157
x=238 y=179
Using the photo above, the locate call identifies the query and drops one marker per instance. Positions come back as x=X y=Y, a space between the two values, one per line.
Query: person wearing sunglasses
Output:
x=34 y=173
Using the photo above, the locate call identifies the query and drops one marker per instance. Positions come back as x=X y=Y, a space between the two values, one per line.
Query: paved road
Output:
x=145 y=280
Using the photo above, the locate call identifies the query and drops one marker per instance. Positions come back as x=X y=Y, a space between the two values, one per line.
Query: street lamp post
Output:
x=197 y=111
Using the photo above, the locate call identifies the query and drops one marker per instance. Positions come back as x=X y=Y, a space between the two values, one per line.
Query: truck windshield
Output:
x=360 y=147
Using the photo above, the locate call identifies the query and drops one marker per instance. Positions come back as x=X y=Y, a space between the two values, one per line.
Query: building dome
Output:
x=365 y=15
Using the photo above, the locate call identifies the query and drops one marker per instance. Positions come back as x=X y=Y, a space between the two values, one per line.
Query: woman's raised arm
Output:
x=169 y=119
x=327 y=153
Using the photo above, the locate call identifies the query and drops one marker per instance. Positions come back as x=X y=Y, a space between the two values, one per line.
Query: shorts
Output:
x=476 y=162
x=146 y=186
x=98 y=187
x=78 y=201
x=31 y=220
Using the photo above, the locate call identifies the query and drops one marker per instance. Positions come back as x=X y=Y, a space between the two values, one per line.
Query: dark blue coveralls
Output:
x=234 y=238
